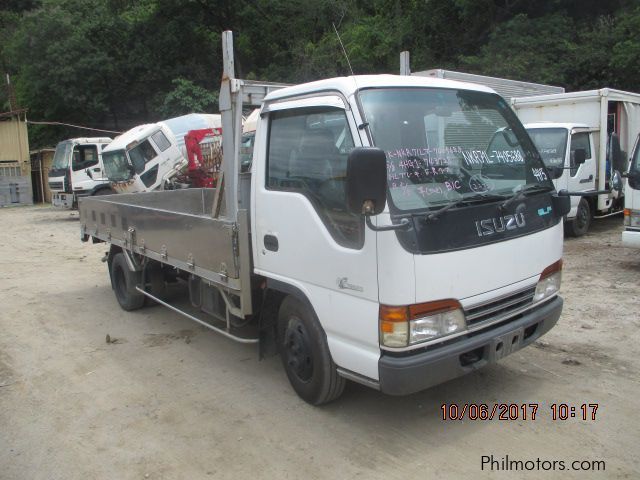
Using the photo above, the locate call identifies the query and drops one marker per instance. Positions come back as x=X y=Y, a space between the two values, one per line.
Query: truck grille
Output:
x=55 y=185
x=500 y=309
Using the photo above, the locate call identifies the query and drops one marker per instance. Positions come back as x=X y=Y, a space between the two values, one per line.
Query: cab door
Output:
x=582 y=174
x=304 y=235
x=85 y=167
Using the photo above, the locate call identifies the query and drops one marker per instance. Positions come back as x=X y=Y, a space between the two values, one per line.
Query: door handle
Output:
x=271 y=243
x=96 y=169
x=586 y=180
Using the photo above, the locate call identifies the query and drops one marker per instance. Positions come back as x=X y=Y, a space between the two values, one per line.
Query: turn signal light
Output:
x=549 y=283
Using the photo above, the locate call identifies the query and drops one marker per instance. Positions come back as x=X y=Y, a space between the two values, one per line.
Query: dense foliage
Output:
x=117 y=63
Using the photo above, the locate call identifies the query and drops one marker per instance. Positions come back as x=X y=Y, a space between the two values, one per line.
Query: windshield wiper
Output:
x=521 y=192
x=477 y=198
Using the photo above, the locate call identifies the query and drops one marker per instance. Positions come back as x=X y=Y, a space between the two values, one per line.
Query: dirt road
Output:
x=167 y=399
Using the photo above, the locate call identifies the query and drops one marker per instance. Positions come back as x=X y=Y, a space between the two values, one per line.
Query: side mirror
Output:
x=561 y=203
x=367 y=181
x=88 y=172
x=616 y=184
x=579 y=156
x=633 y=177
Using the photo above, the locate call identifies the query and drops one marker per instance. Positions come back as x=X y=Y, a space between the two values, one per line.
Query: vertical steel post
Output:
x=405 y=66
x=231 y=131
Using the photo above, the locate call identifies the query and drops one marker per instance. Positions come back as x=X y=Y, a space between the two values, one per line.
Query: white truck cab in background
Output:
x=77 y=170
x=584 y=137
x=569 y=151
x=631 y=233
x=149 y=156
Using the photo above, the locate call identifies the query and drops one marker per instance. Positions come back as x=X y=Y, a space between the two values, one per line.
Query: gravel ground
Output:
x=168 y=399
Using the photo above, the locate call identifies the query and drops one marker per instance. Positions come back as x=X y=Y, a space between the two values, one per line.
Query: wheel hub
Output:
x=298 y=350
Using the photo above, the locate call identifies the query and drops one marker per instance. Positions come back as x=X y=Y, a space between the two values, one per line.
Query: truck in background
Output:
x=389 y=234
x=504 y=87
x=631 y=233
x=584 y=137
x=151 y=156
x=77 y=171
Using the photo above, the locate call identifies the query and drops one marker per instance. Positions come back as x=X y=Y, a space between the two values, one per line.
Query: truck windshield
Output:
x=62 y=155
x=116 y=166
x=552 y=146
x=445 y=145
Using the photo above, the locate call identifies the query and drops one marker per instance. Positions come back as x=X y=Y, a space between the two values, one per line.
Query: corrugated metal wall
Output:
x=14 y=145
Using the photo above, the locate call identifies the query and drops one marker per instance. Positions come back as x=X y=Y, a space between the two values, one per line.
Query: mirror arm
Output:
x=403 y=225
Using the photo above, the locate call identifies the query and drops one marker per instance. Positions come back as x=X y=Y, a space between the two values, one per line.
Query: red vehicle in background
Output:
x=204 y=154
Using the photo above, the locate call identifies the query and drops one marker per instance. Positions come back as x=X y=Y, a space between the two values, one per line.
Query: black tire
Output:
x=123 y=282
x=580 y=224
x=305 y=354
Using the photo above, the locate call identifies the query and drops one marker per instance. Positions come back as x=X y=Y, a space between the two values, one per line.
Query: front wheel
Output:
x=580 y=224
x=305 y=354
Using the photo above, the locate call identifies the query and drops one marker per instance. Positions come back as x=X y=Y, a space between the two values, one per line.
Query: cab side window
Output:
x=161 y=140
x=141 y=154
x=84 y=156
x=307 y=153
x=578 y=141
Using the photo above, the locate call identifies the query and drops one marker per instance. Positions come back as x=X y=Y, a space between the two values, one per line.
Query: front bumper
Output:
x=631 y=238
x=408 y=374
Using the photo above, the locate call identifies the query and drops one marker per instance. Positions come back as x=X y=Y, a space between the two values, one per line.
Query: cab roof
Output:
x=347 y=86
x=566 y=125
x=135 y=134
x=82 y=140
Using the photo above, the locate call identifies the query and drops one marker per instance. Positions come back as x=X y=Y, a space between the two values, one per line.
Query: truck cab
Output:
x=569 y=152
x=631 y=233
x=149 y=156
x=456 y=288
x=77 y=170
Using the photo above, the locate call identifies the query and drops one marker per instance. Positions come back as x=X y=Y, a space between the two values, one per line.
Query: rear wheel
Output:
x=124 y=283
x=305 y=354
x=580 y=224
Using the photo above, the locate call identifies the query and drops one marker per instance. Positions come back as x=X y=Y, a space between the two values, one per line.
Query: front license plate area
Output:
x=506 y=344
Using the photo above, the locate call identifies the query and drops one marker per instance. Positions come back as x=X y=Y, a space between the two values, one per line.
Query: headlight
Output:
x=631 y=218
x=549 y=283
x=403 y=326
x=437 y=325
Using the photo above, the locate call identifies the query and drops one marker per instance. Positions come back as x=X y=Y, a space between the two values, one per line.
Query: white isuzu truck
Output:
x=77 y=171
x=148 y=157
x=393 y=231
x=631 y=233
x=583 y=138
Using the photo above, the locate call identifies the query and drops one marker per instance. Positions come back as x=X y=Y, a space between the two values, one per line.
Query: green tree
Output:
x=185 y=98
